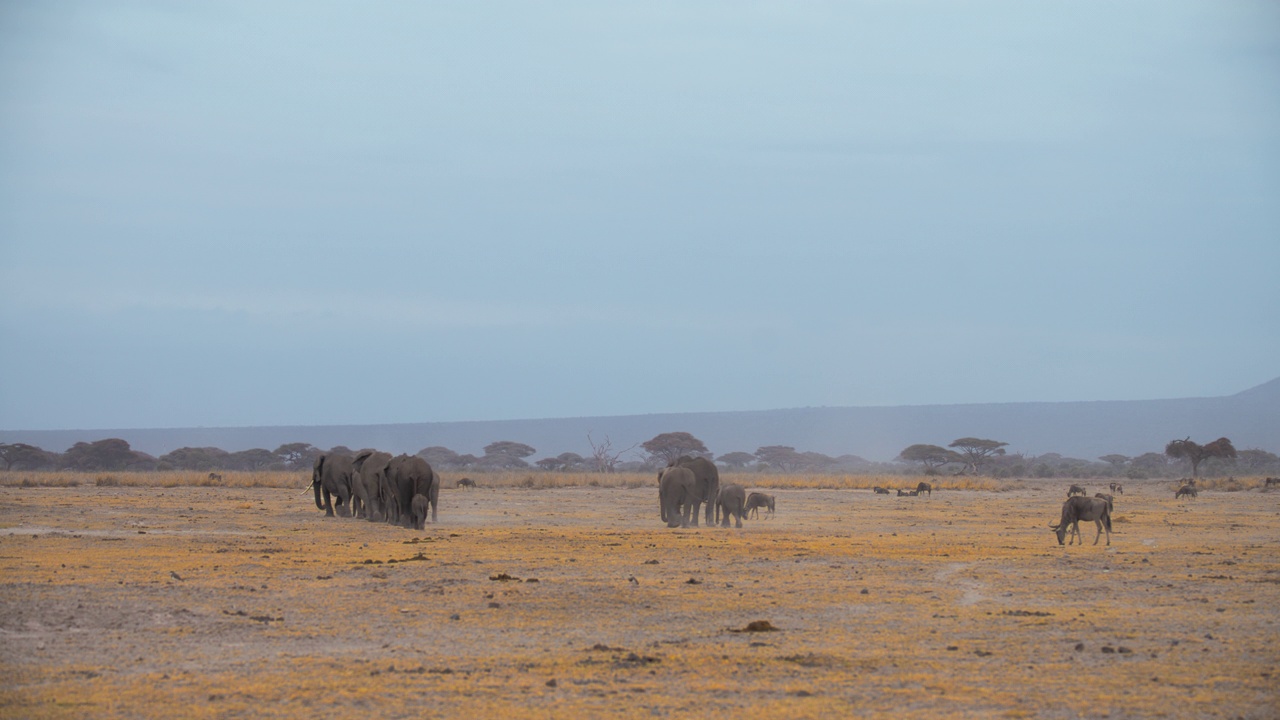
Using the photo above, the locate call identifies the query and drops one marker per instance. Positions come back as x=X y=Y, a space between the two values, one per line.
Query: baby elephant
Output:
x=755 y=501
x=731 y=501
x=420 y=509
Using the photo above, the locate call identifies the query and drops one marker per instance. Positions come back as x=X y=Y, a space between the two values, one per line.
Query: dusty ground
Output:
x=203 y=602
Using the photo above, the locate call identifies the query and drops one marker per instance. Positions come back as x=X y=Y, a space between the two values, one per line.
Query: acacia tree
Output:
x=1196 y=453
x=109 y=454
x=1116 y=460
x=782 y=457
x=24 y=455
x=298 y=456
x=976 y=452
x=736 y=460
x=668 y=447
x=506 y=454
x=438 y=456
x=932 y=457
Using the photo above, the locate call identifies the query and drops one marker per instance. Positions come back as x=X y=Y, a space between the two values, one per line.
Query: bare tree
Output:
x=603 y=457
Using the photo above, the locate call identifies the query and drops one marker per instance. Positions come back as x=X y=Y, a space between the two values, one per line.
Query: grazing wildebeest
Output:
x=1117 y=489
x=1076 y=490
x=1188 y=490
x=466 y=482
x=215 y=477
x=924 y=487
x=756 y=500
x=1111 y=503
x=907 y=493
x=1079 y=508
x=1270 y=481
x=880 y=491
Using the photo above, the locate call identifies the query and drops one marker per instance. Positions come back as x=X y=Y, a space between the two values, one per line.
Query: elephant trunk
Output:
x=315 y=481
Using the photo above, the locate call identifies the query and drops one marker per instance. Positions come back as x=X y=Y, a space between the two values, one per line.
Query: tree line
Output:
x=963 y=456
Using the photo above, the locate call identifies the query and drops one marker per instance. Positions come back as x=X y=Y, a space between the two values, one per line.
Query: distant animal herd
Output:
x=404 y=489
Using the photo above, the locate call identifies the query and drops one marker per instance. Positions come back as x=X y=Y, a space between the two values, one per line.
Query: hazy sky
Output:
x=247 y=213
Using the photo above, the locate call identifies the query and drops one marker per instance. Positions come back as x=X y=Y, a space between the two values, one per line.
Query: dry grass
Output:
x=228 y=479
x=124 y=601
x=515 y=479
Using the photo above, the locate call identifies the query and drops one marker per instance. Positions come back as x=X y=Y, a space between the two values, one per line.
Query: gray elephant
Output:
x=707 y=483
x=371 y=485
x=418 y=507
x=411 y=475
x=732 y=500
x=677 y=496
x=331 y=476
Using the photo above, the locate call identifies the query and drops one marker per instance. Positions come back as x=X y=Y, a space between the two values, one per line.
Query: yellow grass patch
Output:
x=155 y=601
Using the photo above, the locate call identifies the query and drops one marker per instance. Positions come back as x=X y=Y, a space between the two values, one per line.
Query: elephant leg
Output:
x=344 y=502
x=435 y=500
x=328 y=503
x=691 y=520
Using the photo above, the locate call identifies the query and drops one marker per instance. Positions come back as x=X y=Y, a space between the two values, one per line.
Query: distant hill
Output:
x=1074 y=429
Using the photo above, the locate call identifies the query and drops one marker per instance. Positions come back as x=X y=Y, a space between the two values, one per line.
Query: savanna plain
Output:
x=129 y=598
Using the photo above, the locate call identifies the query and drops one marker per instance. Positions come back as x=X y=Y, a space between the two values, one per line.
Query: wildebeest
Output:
x=1111 y=503
x=215 y=477
x=924 y=487
x=1188 y=490
x=1079 y=508
x=880 y=491
x=1076 y=490
x=1270 y=481
x=757 y=500
x=466 y=482
x=1117 y=489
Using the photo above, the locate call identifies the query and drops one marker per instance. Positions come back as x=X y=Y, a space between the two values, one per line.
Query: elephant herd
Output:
x=376 y=486
x=689 y=482
x=402 y=490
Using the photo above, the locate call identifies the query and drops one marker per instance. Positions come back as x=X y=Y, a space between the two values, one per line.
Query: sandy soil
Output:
x=201 y=602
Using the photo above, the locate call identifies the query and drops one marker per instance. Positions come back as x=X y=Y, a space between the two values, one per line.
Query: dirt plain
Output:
x=128 y=602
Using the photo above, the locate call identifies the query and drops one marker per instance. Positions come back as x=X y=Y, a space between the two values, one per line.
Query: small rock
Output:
x=495 y=605
x=693 y=581
x=1107 y=649
x=1079 y=647
x=551 y=683
x=865 y=592
x=455 y=616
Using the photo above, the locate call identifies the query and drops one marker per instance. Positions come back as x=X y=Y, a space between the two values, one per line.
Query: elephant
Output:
x=371 y=485
x=419 y=508
x=732 y=500
x=676 y=495
x=707 y=483
x=332 y=476
x=411 y=475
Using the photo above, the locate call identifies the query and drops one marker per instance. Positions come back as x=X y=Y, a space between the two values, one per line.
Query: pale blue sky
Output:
x=245 y=213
